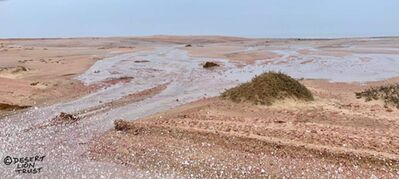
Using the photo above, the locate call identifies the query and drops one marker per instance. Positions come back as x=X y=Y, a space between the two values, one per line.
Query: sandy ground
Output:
x=336 y=136
x=183 y=130
x=34 y=72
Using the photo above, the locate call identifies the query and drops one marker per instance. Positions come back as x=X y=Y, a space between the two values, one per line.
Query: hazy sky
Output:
x=252 y=18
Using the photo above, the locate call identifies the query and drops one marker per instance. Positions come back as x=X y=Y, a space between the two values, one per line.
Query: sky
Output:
x=246 y=18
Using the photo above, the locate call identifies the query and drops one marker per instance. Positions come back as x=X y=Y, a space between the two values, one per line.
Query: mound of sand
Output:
x=12 y=72
x=267 y=88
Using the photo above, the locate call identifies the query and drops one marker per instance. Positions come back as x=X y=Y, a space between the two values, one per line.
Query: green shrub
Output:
x=267 y=88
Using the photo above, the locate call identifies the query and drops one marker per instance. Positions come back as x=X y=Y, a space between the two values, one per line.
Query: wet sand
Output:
x=133 y=78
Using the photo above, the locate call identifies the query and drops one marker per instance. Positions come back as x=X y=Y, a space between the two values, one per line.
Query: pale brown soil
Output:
x=334 y=136
x=192 y=40
x=50 y=66
x=234 y=53
x=239 y=50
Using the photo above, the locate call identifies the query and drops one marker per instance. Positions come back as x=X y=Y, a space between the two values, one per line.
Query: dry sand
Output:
x=34 y=72
x=183 y=129
x=336 y=136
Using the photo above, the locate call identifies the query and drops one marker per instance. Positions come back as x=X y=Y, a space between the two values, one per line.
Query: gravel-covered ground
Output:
x=136 y=82
x=332 y=137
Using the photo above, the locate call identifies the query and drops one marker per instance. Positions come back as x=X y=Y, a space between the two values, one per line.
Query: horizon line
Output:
x=197 y=36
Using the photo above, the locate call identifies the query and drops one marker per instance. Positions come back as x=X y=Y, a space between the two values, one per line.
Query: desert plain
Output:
x=175 y=125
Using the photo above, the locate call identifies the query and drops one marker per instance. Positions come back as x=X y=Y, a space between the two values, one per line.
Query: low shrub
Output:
x=267 y=88
x=65 y=118
x=389 y=94
x=121 y=125
x=210 y=65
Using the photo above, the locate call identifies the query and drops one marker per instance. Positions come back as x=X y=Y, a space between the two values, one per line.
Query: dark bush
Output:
x=210 y=65
x=389 y=94
x=121 y=125
x=10 y=107
x=267 y=88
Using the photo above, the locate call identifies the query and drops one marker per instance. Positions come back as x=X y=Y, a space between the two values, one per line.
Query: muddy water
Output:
x=356 y=67
x=65 y=147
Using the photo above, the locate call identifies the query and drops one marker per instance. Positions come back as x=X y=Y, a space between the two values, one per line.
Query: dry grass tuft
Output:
x=267 y=88
x=210 y=65
x=10 y=107
x=389 y=94
x=121 y=125
x=14 y=70
x=65 y=118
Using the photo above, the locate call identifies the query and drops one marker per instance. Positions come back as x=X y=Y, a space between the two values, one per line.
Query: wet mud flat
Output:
x=214 y=133
x=169 y=79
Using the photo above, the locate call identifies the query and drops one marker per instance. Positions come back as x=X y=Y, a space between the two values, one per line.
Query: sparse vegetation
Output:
x=10 y=107
x=14 y=69
x=65 y=118
x=121 y=125
x=267 y=88
x=34 y=83
x=127 y=78
x=389 y=94
x=210 y=65
x=141 y=61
